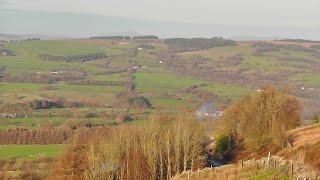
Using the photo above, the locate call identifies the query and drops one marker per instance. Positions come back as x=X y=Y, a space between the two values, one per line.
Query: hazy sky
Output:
x=297 y=13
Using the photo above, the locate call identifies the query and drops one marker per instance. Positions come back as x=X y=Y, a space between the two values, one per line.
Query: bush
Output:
x=139 y=101
x=315 y=119
x=261 y=119
x=223 y=144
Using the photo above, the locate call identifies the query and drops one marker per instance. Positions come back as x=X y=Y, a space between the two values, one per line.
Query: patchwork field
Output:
x=135 y=79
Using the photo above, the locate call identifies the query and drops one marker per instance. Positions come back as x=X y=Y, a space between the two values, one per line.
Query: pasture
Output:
x=29 y=152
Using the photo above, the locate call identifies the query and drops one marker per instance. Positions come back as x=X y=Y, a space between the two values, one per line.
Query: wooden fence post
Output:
x=268 y=160
x=291 y=169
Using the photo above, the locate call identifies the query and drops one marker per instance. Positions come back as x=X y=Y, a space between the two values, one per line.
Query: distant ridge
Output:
x=16 y=37
x=298 y=40
x=60 y=24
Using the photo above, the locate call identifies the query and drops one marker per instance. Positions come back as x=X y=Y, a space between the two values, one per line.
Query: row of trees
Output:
x=125 y=37
x=46 y=77
x=159 y=150
x=99 y=83
x=195 y=44
x=36 y=136
x=37 y=104
x=113 y=71
x=74 y=58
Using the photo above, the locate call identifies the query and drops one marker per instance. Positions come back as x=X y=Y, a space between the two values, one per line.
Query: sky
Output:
x=250 y=13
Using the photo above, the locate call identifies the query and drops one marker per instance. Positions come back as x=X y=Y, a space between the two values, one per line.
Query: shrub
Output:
x=139 y=101
x=315 y=119
x=262 y=118
x=223 y=144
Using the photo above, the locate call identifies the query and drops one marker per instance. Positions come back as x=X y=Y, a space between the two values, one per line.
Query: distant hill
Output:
x=88 y=25
x=298 y=40
x=16 y=37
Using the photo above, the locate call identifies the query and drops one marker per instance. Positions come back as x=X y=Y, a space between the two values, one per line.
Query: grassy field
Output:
x=30 y=123
x=261 y=63
x=20 y=87
x=27 y=55
x=18 y=64
x=221 y=52
x=308 y=79
x=29 y=152
x=167 y=103
x=58 y=47
x=162 y=83
x=111 y=77
x=26 y=92
x=233 y=92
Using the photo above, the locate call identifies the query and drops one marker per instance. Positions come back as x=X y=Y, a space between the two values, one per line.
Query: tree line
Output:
x=45 y=77
x=195 y=44
x=37 y=104
x=159 y=150
x=98 y=83
x=125 y=37
x=35 y=136
x=74 y=58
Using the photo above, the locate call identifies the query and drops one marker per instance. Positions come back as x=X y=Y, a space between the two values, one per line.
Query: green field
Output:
x=308 y=79
x=29 y=152
x=27 y=55
x=167 y=103
x=220 y=52
x=162 y=83
x=166 y=85
x=20 y=87
x=31 y=123
x=23 y=92
x=233 y=92
x=58 y=47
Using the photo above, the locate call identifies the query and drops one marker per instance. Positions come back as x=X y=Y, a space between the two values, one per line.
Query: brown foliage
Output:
x=159 y=150
x=261 y=119
x=73 y=163
x=37 y=136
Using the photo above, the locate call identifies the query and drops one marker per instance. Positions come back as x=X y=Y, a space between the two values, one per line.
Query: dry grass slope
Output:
x=274 y=168
x=305 y=135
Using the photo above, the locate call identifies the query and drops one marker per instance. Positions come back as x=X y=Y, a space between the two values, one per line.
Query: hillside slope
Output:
x=306 y=135
x=295 y=165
